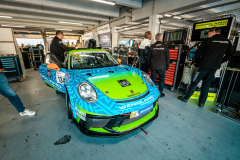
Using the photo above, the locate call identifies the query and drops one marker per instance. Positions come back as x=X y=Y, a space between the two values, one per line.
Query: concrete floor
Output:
x=182 y=131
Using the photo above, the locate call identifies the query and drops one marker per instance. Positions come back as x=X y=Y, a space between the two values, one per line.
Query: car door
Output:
x=53 y=77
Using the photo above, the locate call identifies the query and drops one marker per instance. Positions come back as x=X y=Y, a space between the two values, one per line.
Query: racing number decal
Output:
x=60 y=77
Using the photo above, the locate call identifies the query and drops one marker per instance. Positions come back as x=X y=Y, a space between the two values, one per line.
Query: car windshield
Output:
x=92 y=60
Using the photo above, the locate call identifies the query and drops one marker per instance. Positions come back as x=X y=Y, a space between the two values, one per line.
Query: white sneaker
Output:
x=27 y=112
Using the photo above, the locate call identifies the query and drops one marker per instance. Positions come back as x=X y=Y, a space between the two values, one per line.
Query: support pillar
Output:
x=115 y=38
x=154 y=26
x=44 y=36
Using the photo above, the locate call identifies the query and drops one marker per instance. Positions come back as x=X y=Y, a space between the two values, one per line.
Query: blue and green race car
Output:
x=103 y=97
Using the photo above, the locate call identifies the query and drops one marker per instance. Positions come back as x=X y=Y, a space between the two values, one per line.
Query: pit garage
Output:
x=111 y=79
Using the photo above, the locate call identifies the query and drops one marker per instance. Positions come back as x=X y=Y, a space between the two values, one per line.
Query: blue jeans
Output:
x=6 y=90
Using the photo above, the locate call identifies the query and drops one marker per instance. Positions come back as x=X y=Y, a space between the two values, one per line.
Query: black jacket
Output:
x=158 y=56
x=58 y=48
x=1 y=67
x=143 y=53
x=210 y=53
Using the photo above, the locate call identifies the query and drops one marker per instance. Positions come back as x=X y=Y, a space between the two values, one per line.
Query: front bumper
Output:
x=116 y=126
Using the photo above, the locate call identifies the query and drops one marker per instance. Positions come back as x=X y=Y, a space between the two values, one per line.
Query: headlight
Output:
x=147 y=78
x=87 y=92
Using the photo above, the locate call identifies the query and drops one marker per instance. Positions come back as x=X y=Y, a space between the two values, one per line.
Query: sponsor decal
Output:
x=212 y=24
x=141 y=102
x=133 y=95
x=80 y=114
x=49 y=73
x=145 y=110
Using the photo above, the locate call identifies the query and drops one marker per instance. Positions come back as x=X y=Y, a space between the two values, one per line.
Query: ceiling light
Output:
x=106 y=2
x=5 y=17
x=63 y=29
x=70 y=23
x=13 y=26
x=167 y=15
x=177 y=17
x=126 y=28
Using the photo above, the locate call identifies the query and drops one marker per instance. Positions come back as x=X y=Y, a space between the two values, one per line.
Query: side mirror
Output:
x=119 y=60
x=53 y=66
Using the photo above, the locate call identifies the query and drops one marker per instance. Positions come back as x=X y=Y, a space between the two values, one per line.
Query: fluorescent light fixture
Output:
x=126 y=28
x=63 y=29
x=70 y=23
x=5 y=17
x=177 y=17
x=13 y=26
x=106 y=2
x=167 y=15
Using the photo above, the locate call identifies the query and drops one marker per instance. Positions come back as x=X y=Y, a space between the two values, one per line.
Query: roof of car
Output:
x=86 y=50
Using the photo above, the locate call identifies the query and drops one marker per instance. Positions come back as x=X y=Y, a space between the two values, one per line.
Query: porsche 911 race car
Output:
x=103 y=97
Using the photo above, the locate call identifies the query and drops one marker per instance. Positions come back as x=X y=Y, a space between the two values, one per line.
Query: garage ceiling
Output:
x=37 y=14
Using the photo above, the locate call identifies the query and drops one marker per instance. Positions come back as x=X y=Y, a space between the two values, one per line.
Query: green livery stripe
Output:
x=138 y=122
x=51 y=86
x=78 y=119
x=106 y=82
x=86 y=50
x=88 y=111
x=99 y=130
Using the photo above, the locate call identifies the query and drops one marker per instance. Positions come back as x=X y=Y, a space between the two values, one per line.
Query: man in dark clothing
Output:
x=143 y=51
x=58 y=48
x=209 y=58
x=6 y=90
x=158 y=61
x=135 y=46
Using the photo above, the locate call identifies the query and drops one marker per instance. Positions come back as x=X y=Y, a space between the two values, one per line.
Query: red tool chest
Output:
x=173 y=76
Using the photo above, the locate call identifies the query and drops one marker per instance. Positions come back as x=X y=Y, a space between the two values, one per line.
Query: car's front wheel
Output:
x=69 y=106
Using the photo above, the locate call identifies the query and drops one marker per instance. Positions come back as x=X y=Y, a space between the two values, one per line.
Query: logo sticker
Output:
x=124 y=83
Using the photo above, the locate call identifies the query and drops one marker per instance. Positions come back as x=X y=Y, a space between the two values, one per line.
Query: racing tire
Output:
x=69 y=106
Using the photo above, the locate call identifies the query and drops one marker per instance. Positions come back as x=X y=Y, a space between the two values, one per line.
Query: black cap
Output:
x=213 y=29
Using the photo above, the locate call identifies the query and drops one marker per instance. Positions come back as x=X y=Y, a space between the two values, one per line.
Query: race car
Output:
x=103 y=97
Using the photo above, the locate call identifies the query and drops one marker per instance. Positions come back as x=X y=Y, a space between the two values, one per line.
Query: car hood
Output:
x=119 y=85
x=108 y=80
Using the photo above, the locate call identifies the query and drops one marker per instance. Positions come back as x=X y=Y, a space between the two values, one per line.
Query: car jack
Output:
x=144 y=131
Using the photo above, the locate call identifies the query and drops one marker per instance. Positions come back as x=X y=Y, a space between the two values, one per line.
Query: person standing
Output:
x=135 y=46
x=209 y=57
x=6 y=90
x=143 y=51
x=58 y=48
x=158 y=61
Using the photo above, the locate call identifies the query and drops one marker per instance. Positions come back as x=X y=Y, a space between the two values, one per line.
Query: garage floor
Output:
x=182 y=131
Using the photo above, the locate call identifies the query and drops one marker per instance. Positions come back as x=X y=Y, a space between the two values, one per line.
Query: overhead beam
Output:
x=46 y=17
x=50 y=10
x=85 y=6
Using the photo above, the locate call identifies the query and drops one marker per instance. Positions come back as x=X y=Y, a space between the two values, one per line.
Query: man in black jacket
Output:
x=209 y=58
x=158 y=61
x=58 y=48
